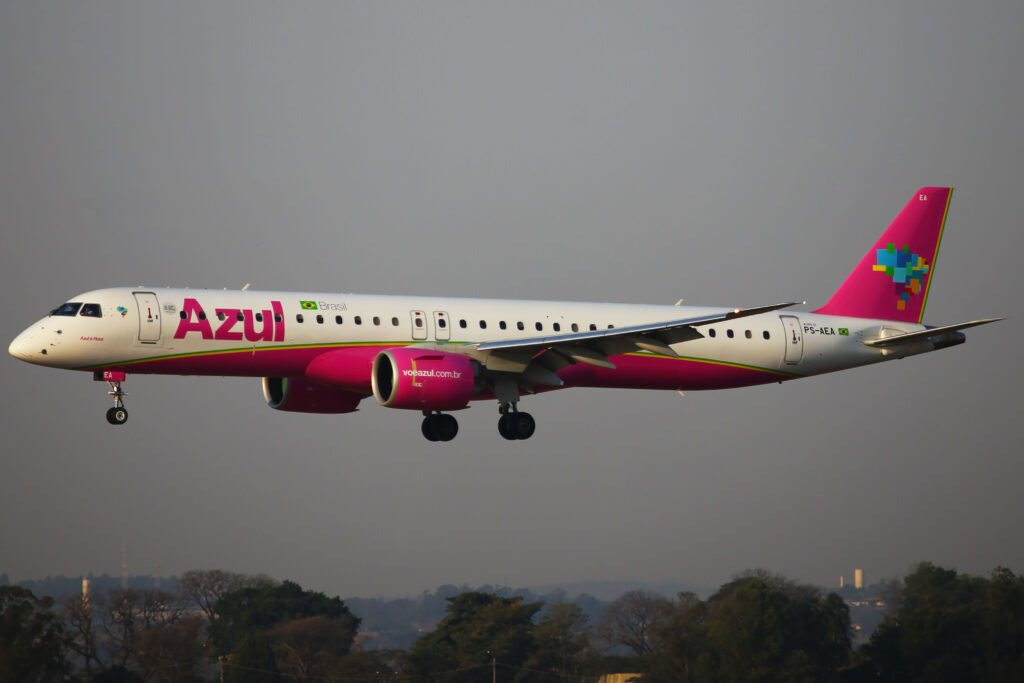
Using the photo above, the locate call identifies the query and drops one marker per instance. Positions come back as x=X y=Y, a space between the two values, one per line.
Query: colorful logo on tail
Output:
x=907 y=270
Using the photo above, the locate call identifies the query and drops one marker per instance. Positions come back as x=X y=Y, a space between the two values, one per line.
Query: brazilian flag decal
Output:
x=309 y=306
x=844 y=332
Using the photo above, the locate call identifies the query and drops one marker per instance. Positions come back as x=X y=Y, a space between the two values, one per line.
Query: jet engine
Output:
x=300 y=395
x=419 y=379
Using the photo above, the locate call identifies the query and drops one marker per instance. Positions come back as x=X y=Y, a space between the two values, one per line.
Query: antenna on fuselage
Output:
x=247 y=286
x=680 y=302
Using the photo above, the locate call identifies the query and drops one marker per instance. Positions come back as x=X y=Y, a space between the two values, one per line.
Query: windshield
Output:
x=70 y=308
x=91 y=311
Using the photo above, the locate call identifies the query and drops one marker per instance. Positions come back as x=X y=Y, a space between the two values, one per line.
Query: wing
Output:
x=539 y=358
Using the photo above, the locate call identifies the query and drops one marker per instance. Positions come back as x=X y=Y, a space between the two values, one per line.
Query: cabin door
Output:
x=149 y=317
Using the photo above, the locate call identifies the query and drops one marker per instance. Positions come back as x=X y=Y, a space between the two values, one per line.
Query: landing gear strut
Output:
x=513 y=425
x=117 y=415
x=439 y=426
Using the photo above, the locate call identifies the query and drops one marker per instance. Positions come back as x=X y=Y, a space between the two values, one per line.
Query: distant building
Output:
x=842 y=581
x=858 y=579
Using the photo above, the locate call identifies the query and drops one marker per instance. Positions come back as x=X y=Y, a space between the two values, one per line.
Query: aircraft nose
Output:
x=21 y=347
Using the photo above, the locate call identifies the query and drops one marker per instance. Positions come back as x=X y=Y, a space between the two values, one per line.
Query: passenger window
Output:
x=220 y=315
x=359 y=320
x=462 y=323
x=419 y=322
x=712 y=332
x=181 y=314
x=575 y=327
x=320 y=319
x=483 y=324
x=277 y=317
x=338 y=319
x=520 y=326
x=748 y=335
x=766 y=335
x=394 y=322
x=240 y=316
x=376 y=320
x=442 y=323
x=202 y=315
x=593 y=327
x=611 y=327
x=91 y=311
x=71 y=308
x=502 y=324
x=259 y=317
x=729 y=334
x=558 y=328
x=299 y=318
x=539 y=327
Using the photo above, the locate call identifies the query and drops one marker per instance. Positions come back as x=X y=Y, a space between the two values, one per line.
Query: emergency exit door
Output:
x=794 y=339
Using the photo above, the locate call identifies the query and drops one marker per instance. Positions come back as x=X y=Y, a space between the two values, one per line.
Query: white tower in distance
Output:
x=858 y=579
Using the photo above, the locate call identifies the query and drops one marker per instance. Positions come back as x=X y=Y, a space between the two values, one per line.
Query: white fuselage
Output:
x=255 y=333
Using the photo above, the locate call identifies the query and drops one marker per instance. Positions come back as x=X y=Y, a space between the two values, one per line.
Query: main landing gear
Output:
x=439 y=426
x=513 y=425
x=117 y=415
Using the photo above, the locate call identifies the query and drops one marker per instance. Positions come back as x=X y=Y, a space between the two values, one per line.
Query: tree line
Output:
x=942 y=626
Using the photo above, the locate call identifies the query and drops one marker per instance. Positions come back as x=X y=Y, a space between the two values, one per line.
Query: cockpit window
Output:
x=91 y=311
x=70 y=308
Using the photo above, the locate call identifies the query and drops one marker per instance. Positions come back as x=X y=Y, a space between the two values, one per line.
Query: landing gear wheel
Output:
x=523 y=425
x=117 y=416
x=504 y=429
x=516 y=426
x=429 y=429
x=446 y=427
x=439 y=427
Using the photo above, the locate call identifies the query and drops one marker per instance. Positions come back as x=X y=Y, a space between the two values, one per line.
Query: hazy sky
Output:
x=729 y=153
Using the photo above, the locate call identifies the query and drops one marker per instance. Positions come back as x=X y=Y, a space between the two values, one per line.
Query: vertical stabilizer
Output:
x=892 y=281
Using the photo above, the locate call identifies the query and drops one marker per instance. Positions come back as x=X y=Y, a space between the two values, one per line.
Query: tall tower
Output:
x=85 y=594
x=842 y=581
x=858 y=579
x=124 y=565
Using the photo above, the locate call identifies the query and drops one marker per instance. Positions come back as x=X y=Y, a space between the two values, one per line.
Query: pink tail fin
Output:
x=892 y=281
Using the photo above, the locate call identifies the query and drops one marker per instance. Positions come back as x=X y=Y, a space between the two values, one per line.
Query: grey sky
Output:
x=728 y=153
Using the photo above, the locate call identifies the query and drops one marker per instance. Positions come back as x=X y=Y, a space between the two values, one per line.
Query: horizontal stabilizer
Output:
x=912 y=337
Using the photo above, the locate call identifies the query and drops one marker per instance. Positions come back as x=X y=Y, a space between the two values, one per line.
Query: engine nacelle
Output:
x=300 y=395
x=418 y=379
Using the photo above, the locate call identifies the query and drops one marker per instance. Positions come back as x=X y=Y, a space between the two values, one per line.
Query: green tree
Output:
x=561 y=637
x=31 y=646
x=251 y=610
x=204 y=587
x=1005 y=613
x=311 y=647
x=951 y=627
x=759 y=627
x=683 y=651
x=252 y=662
x=632 y=620
x=479 y=631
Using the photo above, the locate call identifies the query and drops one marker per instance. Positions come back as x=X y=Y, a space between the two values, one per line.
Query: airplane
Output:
x=325 y=353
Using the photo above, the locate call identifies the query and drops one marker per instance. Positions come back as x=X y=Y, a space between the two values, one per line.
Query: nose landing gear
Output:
x=117 y=415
